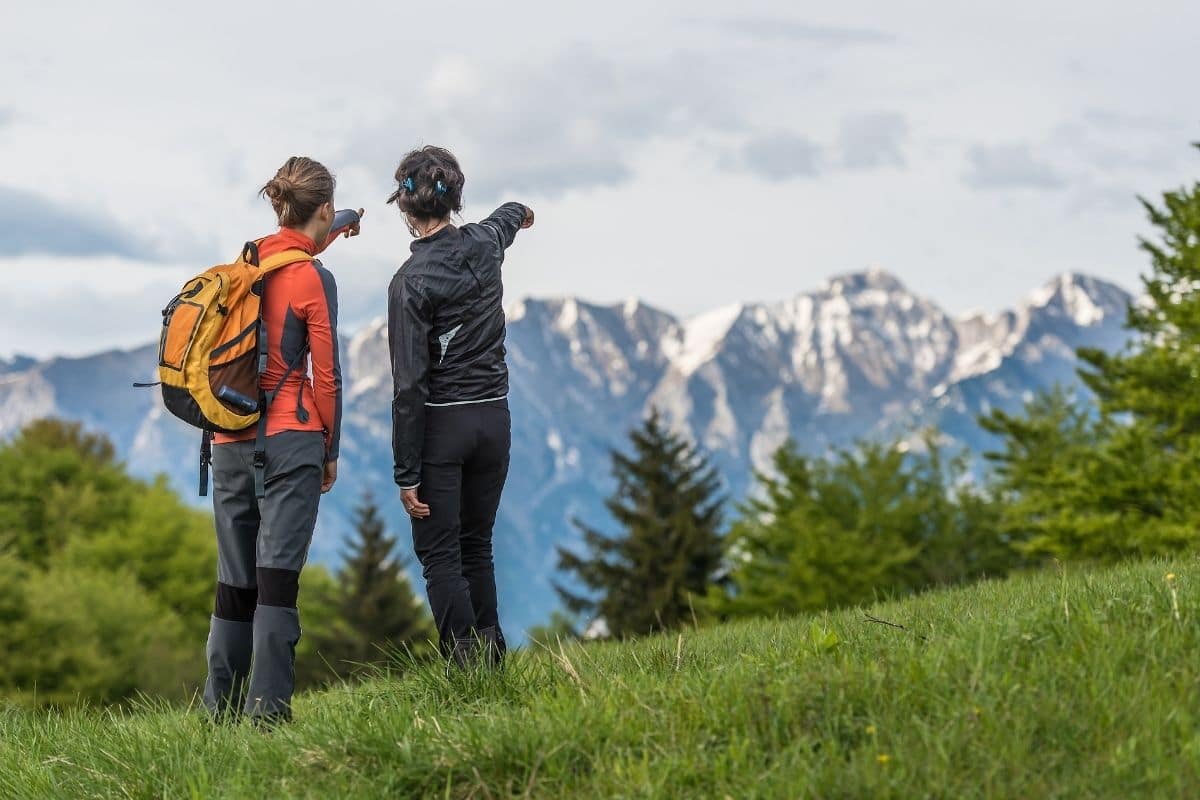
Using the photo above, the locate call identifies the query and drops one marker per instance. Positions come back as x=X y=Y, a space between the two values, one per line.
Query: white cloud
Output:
x=796 y=31
x=1010 y=166
x=781 y=156
x=651 y=138
x=575 y=122
x=874 y=139
x=75 y=305
x=34 y=224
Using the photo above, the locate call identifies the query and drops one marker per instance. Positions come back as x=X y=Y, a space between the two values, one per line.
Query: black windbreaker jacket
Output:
x=446 y=328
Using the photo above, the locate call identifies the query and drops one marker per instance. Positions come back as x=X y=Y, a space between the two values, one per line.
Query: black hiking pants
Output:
x=463 y=469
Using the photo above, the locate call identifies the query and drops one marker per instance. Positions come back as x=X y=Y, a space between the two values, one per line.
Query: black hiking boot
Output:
x=494 y=647
x=463 y=655
x=269 y=723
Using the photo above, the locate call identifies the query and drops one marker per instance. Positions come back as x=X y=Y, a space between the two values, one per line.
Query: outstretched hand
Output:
x=413 y=505
x=528 y=221
x=353 y=230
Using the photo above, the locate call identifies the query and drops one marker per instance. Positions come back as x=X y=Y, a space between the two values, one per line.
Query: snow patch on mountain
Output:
x=24 y=397
x=1084 y=300
x=368 y=352
x=702 y=336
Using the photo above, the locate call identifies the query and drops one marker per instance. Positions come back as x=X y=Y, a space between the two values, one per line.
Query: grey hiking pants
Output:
x=261 y=548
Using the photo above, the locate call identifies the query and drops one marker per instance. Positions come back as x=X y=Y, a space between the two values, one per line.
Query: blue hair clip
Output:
x=408 y=184
x=440 y=188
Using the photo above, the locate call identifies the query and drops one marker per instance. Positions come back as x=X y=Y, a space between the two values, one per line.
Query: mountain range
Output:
x=861 y=356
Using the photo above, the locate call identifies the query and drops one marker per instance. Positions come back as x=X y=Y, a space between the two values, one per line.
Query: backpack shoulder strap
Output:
x=266 y=265
x=279 y=260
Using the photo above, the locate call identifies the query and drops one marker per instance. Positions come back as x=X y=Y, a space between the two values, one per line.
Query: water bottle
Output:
x=238 y=400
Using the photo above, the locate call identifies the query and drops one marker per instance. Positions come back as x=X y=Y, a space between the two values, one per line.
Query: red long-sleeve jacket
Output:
x=300 y=312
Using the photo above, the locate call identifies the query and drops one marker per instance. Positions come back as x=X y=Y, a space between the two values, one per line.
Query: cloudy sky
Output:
x=690 y=153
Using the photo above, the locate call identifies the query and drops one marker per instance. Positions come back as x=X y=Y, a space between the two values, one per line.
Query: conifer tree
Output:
x=377 y=611
x=873 y=520
x=668 y=551
x=1155 y=379
x=1127 y=480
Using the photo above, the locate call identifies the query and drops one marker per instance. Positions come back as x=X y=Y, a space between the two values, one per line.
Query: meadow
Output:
x=1072 y=682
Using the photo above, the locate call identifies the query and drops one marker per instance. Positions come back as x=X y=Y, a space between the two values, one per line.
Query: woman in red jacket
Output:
x=262 y=546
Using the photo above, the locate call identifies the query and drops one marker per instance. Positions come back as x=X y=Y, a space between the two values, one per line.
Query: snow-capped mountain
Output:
x=860 y=356
x=1009 y=356
x=822 y=368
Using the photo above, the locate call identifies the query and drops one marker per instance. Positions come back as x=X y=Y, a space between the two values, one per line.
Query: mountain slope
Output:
x=1029 y=349
x=860 y=356
x=1079 y=684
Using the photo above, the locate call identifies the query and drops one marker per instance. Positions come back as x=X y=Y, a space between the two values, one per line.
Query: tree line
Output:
x=106 y=583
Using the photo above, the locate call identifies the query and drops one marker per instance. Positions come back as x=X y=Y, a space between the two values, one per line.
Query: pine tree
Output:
x=669 y=551
x=1154 y=380
x=1076 y=484
x=377 y=611
x=845 y=528
x=1125 y=481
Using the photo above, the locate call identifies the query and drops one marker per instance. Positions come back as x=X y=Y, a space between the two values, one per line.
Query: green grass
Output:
x=1046 y=685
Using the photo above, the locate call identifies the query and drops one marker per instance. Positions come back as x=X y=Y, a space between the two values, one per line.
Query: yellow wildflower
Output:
x=870 y=730
x=1170 y=577
x=883 y=758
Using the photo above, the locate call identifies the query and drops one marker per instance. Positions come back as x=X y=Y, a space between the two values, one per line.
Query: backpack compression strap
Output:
x=205 y=460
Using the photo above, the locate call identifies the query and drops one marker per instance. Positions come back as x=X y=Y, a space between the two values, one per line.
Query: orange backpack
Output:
x=213 y=351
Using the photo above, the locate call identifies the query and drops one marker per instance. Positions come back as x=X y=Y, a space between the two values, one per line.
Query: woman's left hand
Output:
x=413 y=505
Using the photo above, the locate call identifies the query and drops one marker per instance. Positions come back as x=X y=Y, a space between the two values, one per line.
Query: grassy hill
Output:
x=1081 y=684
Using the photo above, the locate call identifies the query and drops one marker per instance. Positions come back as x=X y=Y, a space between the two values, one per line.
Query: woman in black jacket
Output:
x=450 y=421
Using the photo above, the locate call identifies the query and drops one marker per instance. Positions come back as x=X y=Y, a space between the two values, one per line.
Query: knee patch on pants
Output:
x=235 y=603
x=278 y=587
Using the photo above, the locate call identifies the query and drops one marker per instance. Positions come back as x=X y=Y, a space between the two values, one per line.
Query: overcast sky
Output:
x=691 y=154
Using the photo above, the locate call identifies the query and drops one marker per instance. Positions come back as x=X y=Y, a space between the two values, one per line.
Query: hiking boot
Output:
x=269 y=723
x=463 y=655
x=494 y=646
x=228 y=652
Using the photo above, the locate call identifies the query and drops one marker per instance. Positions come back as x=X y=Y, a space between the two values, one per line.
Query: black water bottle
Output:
x=238 y=400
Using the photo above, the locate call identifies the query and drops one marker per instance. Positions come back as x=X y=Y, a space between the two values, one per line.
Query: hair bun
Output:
x=299 y=187
x=277 y=188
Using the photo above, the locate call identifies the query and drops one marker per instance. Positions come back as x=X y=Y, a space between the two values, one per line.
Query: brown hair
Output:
x=298 y=189
x=429 y=184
